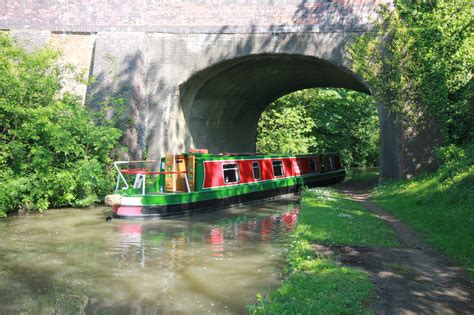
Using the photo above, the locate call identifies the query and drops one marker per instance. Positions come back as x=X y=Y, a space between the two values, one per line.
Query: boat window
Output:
x=278 y=168
x=322 y=164
x=231 y=173
x=297 y=166
x=256 y=170
x=312 y=165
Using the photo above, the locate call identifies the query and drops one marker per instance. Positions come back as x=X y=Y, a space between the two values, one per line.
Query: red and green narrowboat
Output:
x=195 y=182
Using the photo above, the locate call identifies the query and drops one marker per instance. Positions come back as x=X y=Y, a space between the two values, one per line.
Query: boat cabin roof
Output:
x=248 y=156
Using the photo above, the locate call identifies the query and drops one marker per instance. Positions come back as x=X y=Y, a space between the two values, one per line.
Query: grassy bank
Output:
x=440 y=206
x=318 y=285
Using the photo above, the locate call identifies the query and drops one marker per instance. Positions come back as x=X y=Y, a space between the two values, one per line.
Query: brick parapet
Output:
x=190 y=16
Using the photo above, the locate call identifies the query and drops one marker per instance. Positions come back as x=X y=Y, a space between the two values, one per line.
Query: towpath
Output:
x=413 y=279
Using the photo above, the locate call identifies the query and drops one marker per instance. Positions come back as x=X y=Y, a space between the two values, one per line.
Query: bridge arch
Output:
x=222 y=104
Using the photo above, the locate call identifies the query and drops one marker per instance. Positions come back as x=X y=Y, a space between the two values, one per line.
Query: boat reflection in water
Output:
x=214 y=262
x=180 y=238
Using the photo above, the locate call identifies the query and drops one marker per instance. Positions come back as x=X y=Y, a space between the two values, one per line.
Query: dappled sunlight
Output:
x=358 y=213
x=439 y=206
x=320 y=204
x=458 y=179
x=416 y=188
x=314 y=265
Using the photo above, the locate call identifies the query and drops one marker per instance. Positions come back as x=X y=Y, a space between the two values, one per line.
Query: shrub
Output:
x=53 y=151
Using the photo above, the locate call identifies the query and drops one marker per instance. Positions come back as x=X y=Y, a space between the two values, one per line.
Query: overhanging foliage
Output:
x=418 y=63
x=53 y=151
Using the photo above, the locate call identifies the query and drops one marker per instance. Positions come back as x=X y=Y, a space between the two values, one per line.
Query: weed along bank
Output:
x=196 y=182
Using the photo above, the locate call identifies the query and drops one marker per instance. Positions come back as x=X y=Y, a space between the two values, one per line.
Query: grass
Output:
x=439 y=206
x=330 y=218
x=318 y=285
x=362 y=174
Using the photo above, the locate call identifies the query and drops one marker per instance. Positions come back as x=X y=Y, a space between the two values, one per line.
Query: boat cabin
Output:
x=200 y=171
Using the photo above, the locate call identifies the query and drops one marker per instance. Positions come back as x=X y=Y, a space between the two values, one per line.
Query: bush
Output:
x=53 y=151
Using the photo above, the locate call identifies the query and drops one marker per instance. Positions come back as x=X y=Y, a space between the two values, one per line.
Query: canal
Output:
x=74 y=261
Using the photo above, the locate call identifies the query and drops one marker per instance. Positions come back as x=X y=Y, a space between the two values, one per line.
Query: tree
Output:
x=322 y=120
x=285 y=130
x=53 y=152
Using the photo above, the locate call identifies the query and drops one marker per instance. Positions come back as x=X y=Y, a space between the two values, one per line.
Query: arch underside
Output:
x=222 y=104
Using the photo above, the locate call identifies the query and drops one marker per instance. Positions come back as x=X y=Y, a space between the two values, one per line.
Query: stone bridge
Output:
x=199 y=73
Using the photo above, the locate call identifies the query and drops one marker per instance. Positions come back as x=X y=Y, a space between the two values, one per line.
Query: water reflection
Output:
x=136 y=236
x=73 y=261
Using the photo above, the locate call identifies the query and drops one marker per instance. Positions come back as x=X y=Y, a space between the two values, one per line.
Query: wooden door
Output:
x=180 y=166
x=170 y=179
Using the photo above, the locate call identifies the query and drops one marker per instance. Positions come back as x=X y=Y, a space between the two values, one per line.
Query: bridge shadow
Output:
x=121 y=93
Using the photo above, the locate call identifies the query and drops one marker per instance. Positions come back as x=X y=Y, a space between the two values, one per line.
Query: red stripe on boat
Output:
x=214 y=172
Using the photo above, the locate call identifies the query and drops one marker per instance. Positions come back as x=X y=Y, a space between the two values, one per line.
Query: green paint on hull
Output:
x=161 y=199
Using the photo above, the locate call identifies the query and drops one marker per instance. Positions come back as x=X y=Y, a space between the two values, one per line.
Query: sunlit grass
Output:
x=317 y=284
x=440 y=206
x=330 y=218
x=326 y=289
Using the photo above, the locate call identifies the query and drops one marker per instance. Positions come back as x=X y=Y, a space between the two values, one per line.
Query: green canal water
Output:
x=72 y=261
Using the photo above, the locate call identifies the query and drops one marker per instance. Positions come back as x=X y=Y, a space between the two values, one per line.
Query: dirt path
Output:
x=414 y=279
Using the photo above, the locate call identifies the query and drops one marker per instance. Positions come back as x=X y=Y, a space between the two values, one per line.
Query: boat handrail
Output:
x=141 y=173
x=144 y=171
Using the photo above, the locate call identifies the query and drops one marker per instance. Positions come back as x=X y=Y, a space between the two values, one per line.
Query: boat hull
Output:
x=202 y=206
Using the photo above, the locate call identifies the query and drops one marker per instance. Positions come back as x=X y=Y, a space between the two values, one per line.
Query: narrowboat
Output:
x=195 y=182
